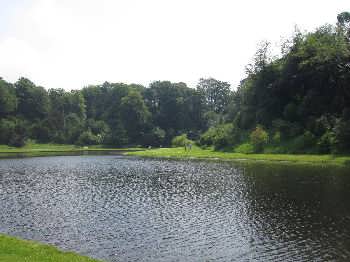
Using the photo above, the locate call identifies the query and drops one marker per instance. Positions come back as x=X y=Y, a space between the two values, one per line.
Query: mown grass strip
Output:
x=211 y=154
x=15 y=250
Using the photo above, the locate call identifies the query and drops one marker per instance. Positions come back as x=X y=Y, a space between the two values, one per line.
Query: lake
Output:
x=120 y=208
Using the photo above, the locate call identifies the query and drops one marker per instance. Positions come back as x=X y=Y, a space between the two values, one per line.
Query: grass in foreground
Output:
x=211 y=154
x=14 y=250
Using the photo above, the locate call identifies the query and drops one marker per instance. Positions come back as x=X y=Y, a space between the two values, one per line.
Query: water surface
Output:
x=127 y=209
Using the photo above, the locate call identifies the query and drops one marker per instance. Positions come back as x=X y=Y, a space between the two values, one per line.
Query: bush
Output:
x=208 y=138
x=180 y=141
x=87 y=138
x=325 y=143
x=287 y=129
x=290 y=112
x=154 y=138
x=259 y=138
x=74 y=127
x=17 y=140
x=221 y=136
x=117 y=136
x=303 y=143
x=245 y=148
x=59 y=137
x=19 y=135
x=277 y=138
x=98 y=127
x=341 y=142
x=7 y=128
x=40 y=131
x=322 y=125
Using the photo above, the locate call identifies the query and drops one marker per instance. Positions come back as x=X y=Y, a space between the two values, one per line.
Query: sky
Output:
x=74 y=43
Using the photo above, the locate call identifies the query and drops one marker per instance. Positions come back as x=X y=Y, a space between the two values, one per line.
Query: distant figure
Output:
x=188 y=147
x=149 y=147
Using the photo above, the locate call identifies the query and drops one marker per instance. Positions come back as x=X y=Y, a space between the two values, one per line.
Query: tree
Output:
x=134 y=114
x=344 y=23
x=33 y=101
x=259 y=138
x=7 y=129
x=8 y=100
x=217 y=94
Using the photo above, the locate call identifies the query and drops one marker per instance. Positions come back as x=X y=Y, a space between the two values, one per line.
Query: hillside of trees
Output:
x=297 y=102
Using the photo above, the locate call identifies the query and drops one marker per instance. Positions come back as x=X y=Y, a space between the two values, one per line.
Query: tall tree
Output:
x=8 y=100
x=134 y=114
x=33 y=101
x=217 y=94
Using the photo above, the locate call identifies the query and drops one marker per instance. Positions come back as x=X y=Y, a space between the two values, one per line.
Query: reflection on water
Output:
x=128 y=209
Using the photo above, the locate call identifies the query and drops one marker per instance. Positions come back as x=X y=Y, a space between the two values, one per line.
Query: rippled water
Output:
x=127 y=209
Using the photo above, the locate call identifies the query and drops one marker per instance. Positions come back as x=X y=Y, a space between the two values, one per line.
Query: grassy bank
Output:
x=56 y=148
x=211 y=154
x=14 y=250
x=196 y=152
x=53 y=150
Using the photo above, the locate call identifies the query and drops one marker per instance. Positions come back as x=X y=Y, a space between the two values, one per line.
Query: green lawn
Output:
x=55 y=148
x=211 y=154
x=16 y=250
x=51 y=150
x=37 y=147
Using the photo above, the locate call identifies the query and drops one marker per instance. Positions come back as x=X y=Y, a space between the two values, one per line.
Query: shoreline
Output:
x=42 y=150
x=211 y=155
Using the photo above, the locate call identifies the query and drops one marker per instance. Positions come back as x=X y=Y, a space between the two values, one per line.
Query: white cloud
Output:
x=72 y=43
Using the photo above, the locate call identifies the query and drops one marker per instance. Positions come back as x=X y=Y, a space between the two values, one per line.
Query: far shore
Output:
x=34 y=150
x=210 y=154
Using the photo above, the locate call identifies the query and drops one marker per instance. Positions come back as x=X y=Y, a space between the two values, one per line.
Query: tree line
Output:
x=297 y=102
x=113 y=114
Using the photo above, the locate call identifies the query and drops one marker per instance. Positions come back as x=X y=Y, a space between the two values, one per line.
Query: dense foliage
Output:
x=298 y=102
x=112 y=113
x=302 y=97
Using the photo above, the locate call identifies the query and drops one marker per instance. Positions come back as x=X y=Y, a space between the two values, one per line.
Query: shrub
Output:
x=325 y=143
x=97 y=126
x=180 y=141
x=208 y=138
x=221 y=136
x=154 y=138
x=117 y=136
x=259 y=138
x=277 y=138
x=17 y=140
x=87 y=138
x=59 y=137
x=287 y=129
x=19 y=135
x=40 y=131
x=7 y=128
x=303 y=143
x=323 y=124
x=341 y=143
x=290 y=112
x=245 y=148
